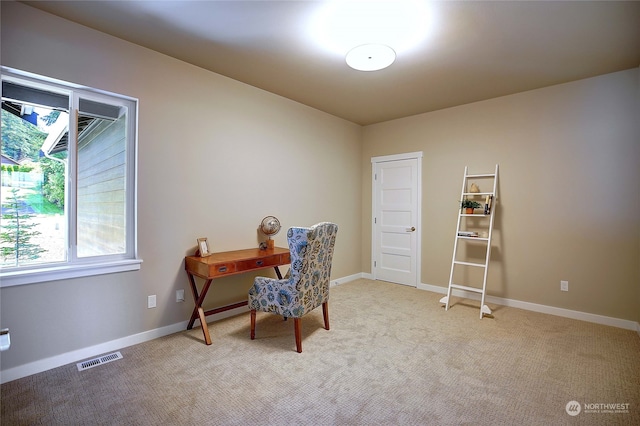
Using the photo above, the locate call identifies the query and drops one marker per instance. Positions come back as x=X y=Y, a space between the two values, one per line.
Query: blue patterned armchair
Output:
x=307 y=284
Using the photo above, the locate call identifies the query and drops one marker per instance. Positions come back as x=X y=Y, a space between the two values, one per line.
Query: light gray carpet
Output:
x=393 y=356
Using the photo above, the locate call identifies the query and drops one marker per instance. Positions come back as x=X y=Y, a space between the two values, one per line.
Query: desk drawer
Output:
x=222 y=269
x=264 y=262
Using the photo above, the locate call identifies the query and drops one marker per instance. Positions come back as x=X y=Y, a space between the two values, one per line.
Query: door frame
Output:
x=388 y=158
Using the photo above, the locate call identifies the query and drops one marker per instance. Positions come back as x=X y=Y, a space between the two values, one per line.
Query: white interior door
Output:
x=396 y=242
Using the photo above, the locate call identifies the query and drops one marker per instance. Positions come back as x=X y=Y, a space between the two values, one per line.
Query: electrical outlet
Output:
x=151 y=301
x=564 y=285
x=180 y=295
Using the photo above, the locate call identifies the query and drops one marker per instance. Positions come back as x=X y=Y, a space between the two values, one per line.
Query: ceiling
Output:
x=473 y=50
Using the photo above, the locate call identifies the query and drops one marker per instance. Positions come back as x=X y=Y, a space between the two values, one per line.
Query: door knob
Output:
x=413 y=228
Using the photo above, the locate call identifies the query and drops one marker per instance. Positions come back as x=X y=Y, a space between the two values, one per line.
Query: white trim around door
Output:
x=396 y=184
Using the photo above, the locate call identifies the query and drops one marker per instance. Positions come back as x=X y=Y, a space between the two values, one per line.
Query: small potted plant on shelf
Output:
x=469 y=205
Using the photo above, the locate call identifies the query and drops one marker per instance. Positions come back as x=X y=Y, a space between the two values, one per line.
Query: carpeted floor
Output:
x=393 y=356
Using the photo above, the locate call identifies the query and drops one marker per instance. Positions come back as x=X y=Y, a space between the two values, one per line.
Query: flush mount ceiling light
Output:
x=370 y=57
x=349 y=27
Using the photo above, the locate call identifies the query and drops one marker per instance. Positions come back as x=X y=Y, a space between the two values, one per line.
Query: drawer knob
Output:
x=260 y=262
x=222 y=269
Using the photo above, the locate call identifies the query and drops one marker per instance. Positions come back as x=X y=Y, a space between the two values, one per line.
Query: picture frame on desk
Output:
x=203 y=247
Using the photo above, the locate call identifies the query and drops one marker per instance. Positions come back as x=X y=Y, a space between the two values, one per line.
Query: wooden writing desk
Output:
x=224 y=264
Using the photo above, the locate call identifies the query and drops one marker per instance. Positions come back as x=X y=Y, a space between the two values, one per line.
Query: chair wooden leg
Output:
x=296 y=326
x=253 y=324
x=325 y=314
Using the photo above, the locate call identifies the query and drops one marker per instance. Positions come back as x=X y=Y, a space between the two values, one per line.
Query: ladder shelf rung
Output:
x=480 y=265
x=481 y=175
x=477 y=193
x=473 y=238
x=467 y=288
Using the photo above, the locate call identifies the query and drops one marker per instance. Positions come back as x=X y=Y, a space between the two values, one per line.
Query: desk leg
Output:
x=205 y=327
x=278 y=272
x=198 y=312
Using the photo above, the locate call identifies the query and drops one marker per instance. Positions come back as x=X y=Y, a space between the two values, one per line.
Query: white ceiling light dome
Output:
x=369 y=31
x=370 y=57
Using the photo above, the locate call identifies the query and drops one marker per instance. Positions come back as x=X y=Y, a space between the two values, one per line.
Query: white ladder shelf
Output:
x=489 y=205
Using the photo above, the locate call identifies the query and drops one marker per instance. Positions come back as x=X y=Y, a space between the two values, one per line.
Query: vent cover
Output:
x=90 y=363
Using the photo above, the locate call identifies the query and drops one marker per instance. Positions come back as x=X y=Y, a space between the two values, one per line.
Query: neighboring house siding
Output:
x=9 y=161
x=101 y=190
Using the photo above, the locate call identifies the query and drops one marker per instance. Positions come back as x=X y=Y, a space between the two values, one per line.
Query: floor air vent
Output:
x=90 y=363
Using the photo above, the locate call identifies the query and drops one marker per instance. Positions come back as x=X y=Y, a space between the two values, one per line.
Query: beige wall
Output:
x=569 y=159
x=215 y=157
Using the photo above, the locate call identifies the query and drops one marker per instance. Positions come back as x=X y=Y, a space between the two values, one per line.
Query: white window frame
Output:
x=76 y=267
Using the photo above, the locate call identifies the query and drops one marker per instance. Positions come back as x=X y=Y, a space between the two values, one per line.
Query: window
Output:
x=68 y=180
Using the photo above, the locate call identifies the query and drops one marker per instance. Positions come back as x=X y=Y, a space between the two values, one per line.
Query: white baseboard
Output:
x=551 y=310
x=93 y=351
x=349 y=278
x=96 y=350
x=114 y=345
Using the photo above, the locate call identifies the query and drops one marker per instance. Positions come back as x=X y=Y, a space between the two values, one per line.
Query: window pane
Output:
x=34 y=155
x=101 y=200
x=68 y=180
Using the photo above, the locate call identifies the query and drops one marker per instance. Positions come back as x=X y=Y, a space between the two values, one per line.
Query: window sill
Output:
x=53 y=273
